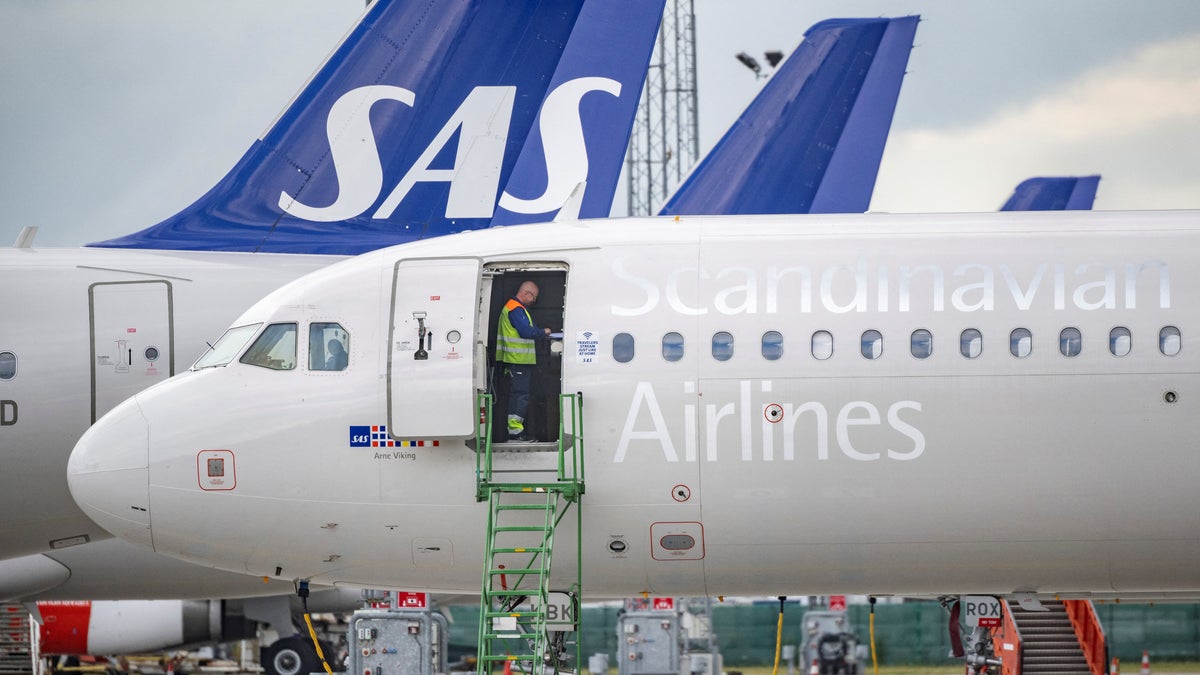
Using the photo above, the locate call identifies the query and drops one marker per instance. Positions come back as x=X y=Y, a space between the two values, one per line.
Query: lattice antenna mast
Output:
x=665 y=141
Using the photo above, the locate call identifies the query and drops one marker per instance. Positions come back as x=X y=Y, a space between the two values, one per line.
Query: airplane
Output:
x=193 y=317
x=101 y=323
x=1054 y=193
x=72 y=571
x=126 y=312
x=967 y=396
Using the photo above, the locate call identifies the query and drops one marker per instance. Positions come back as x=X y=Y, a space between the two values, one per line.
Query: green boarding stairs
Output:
x=529 y=488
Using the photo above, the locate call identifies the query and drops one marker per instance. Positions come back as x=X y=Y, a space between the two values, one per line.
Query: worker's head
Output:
x=335 y=347
x=527 y=293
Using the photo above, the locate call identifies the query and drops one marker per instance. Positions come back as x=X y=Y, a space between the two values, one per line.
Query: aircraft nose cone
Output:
x=108 y=476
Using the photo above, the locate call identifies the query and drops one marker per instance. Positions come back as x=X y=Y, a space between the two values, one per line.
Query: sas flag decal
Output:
x=376 y=436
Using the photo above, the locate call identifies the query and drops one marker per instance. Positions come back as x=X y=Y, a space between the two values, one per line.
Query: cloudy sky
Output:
x=117 y=113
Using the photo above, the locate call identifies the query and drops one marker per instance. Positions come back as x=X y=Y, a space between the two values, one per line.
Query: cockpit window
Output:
x=227 y=347
x=274 y=349
x=328 y=346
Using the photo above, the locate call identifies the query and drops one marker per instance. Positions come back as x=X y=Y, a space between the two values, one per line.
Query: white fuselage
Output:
x=1067 y=469
x=87 y=328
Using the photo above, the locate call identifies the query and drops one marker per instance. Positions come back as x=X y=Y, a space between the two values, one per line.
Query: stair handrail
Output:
x=483 y=445
x=1011 y=660
x=1090 y=634
x=569 y=470
x=570 y=438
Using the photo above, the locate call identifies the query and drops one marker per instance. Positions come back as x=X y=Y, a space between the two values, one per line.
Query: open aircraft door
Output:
x=433 y=353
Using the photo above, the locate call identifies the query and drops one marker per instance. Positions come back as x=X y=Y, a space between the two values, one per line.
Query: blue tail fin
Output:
x=1059 y=193
x=415 y=124
x=812 y=140
x=618 y=36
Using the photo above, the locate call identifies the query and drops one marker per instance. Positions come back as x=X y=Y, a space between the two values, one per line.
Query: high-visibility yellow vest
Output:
x=510 y=346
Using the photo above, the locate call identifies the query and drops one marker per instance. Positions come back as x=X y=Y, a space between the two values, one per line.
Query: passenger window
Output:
x=872 y=344
x=1169 y=341
x=1119 y=341
x=672 y=347
x=227 y=347
x=921 y=343
x=1020 y=343
x=8 y=365
x=722 y=346
x=822 y=345
x=328 y=346
x=622 y=347
x=772 y=345
x=970 y=343
x=1070 y=342
x=274 y=349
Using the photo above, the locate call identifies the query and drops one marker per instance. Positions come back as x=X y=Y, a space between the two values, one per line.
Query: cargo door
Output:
x=432 y=348
x=132 y=339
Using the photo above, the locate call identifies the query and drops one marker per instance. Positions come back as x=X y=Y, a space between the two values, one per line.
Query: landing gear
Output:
x=292 y=656
x=975 y=648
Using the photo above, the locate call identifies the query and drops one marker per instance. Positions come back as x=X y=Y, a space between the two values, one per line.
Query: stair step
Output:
x=526 y=446
x=526 y=618
x=524 y=507
x=1054 y=658
x=509 y=636
x=1061 y=616
x=520 y=550
x=517 y=571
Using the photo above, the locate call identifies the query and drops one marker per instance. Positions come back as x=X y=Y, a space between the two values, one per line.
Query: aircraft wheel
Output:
x=291 y=656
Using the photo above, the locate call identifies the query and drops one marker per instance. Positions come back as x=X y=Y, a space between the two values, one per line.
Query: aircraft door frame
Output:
x=431 y=386
x=130 y=325
x=502 y=278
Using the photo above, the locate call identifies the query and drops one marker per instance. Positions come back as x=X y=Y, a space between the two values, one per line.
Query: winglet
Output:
x=570 y=209
x=25 y=239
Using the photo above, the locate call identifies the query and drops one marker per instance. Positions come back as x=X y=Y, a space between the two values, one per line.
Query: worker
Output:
x=516 y=338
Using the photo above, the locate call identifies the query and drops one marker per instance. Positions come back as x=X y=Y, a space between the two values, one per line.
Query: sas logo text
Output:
x=480 y=128
x=360 y=437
